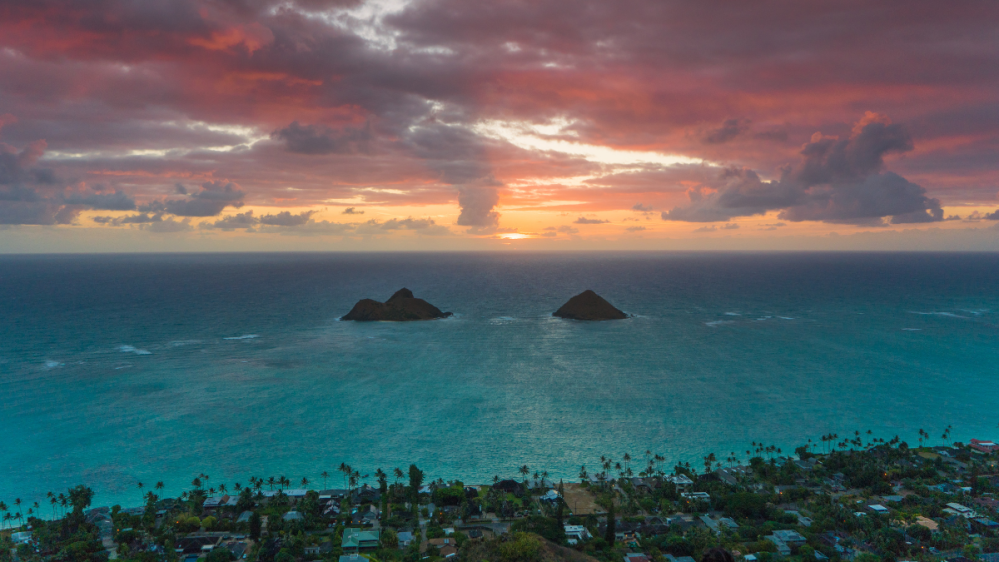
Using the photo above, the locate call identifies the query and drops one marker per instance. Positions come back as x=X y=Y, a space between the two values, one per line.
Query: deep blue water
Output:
x=120 y=369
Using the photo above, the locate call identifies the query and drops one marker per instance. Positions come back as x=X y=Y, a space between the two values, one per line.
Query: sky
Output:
x=240 y=125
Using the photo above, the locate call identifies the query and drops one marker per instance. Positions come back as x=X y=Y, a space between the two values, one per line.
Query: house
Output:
x=984 y=525
x=365 y=494
x=359 y=539
x=653 y=527
x=352 y=558
x=805 y=464
x=680 y=521
x=551 y=496
x=681 y=481
x=214 y=502
x=802 y=520
x=958 y=509
x=196 y=545
x=22 y=537
x=292 y=516
x=879 y=509
x=790 y=537
x=335 y=494
x=365 y=515
x=672 y=558
x=448 y=551
x=729 y=523
x=636 y=557
x=727 y=476
x=576 y=533
x=509 y=487
x=405 y=538
x=441 y=543
x=984 y=446
x=641 y=486
x=244 y=517
x=782 y=547
x=696 y=496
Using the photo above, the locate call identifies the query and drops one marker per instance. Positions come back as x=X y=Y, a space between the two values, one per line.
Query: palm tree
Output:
x=305 y=482
x=270 y=482
x=53 y=501
x=326 y=475
x=222 y=488
x=582 y=473
x=17 y=502
x=6 y=518
x=64 y=502
x=159 y=486
x=398 y=473
x=139 y=485
x=525 y=471
x=345 y=469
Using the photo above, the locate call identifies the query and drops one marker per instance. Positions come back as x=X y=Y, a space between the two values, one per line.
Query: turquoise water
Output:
x=120 y=369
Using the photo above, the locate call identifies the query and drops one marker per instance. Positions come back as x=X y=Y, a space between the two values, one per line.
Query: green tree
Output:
x=80 y=498
x=611 y=523
x=389 y=539
x=559 y=512
x=255 y=526
x=415 y=481
x=220 y=555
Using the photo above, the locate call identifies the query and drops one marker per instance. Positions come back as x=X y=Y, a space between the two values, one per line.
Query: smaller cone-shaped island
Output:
x=402 y=307
x=589 y=306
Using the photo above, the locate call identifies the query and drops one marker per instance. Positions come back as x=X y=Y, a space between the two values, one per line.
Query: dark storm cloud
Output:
x=210 y=201
x=116 y=201
x=458 y=155
x=993 y=216
x=141 y=218
x=286 y=218
x=320 y=139
x=247 y=220
x=641 y=208
x=839 y=181
x=730 y=129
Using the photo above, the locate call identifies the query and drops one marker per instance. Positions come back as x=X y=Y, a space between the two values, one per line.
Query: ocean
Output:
x=120 y=369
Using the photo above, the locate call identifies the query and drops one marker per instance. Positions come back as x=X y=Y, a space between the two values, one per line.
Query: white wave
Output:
x=912 y=329
x=946 y=314
x=246 y=337
x=133 y=349
x=180 y=343
x=785 y=318
x=719 y=323
x=764 y=318
x=49 y=364
x=732 y=314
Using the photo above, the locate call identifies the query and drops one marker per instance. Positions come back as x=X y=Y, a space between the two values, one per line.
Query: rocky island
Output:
x=589 y=306
x=401 y=307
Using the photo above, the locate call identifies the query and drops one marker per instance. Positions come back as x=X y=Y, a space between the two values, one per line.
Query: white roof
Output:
x=878 y=508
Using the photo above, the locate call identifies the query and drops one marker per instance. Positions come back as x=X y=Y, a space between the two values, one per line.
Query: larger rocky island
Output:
x=589 y=306
x=401 y=307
